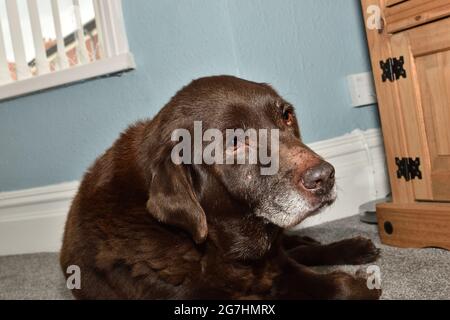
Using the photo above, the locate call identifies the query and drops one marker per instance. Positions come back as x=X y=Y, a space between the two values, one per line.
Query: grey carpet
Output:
x=405 y=273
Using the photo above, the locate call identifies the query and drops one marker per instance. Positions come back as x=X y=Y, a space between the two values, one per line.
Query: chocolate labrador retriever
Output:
x=143 y=227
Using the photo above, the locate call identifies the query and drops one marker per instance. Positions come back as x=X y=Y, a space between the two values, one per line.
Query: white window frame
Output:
x=115 y=58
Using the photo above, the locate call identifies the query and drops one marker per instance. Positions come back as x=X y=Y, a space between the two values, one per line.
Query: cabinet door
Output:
x=424 y=100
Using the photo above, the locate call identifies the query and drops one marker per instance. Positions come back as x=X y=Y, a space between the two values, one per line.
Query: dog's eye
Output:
x=238 y=142
x=235 y=142
x=288 y=117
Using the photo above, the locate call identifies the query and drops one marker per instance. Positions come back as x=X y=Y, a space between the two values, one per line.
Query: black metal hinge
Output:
x=408 y=168
x=393 y=69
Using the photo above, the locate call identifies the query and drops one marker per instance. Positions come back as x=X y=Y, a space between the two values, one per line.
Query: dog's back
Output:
x=109 y=231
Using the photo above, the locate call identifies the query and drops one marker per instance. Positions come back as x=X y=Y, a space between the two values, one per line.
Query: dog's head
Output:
x=294 y=184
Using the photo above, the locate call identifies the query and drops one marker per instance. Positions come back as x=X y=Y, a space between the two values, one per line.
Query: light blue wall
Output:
x=304 y=48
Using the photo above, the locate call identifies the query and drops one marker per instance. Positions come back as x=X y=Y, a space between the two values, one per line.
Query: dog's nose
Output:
x=319 y=178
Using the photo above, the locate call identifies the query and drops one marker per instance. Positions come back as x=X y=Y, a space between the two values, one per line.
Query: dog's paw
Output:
x=357 y=287
x=364 y=275
x=294 y=241
x=358 y=250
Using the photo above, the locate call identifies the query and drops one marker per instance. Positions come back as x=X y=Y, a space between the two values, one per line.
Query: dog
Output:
x=143 y=227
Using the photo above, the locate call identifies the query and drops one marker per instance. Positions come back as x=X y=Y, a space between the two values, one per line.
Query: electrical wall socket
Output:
x=362 y=89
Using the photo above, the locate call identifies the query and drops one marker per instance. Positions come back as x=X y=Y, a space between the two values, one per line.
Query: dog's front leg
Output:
x=352 y=251
x=300 y=282
x=290 y=241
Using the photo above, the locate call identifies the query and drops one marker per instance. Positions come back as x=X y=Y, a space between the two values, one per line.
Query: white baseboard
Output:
x=32 y=220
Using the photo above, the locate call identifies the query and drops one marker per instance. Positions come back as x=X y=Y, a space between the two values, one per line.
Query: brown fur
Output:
x=142 y=227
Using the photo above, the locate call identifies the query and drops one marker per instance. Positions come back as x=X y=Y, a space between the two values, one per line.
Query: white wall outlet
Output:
x=362 y=89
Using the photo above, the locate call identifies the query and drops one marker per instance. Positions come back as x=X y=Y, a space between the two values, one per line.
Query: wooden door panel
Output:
x=412 y=117
x=434 y=71
x=425 y=102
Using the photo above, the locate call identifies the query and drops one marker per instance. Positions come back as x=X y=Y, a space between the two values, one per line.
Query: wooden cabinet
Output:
x=410 y=54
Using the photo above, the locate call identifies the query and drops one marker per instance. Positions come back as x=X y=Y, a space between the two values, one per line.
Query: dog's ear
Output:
x=172 y=200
